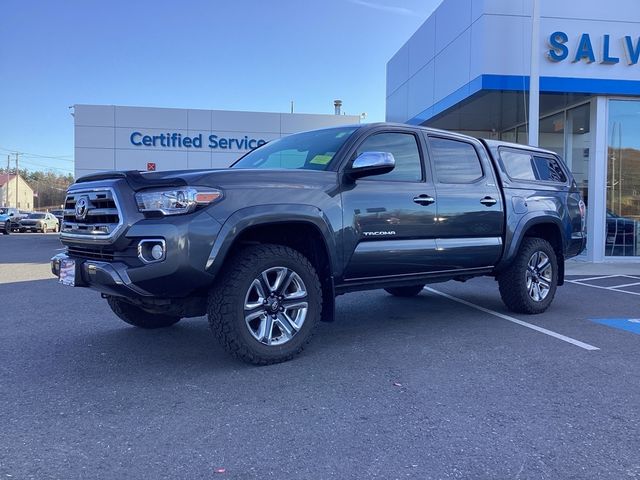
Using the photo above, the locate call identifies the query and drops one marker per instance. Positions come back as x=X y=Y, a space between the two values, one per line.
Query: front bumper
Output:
x=108 y=278
x=30 y=226
x=118 y=270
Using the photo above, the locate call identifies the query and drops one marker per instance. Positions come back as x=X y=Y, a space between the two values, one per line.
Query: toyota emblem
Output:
x=82 y=206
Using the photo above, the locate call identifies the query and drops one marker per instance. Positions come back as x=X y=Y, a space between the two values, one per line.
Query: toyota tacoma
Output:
x=264 y=247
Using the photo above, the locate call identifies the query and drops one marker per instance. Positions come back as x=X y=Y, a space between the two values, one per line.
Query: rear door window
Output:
x=455 y=161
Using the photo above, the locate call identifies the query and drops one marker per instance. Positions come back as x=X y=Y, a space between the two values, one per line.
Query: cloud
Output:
x=384 y=8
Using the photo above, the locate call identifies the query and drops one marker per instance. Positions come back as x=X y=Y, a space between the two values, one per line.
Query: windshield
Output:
x=309 y=150
x=36 y=215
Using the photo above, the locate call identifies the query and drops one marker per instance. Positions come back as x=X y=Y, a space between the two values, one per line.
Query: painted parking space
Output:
x=517 y=321
x=628 y=284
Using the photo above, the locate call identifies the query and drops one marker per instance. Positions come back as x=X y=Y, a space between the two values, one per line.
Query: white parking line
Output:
x=559 y=336
x=598 y=278
x=610 y=289
x=623 y=286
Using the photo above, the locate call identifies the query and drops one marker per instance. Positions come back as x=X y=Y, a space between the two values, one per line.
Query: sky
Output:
x=255 y=55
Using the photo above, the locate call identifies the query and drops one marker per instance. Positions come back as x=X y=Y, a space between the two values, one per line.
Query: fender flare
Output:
x=526 y=222
x=249 y=217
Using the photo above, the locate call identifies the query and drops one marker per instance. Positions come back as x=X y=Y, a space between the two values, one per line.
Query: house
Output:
x=9 y=197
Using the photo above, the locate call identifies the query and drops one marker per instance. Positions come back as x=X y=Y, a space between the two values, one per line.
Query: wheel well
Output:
x=305 y=238
x=551 y=233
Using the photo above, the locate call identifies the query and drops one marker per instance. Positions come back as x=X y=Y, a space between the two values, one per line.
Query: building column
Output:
x=596 y=218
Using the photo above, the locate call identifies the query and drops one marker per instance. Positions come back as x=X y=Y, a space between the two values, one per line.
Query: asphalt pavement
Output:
x=449 y=386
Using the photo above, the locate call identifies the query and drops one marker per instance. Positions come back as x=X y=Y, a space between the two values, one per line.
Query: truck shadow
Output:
x=59 y=331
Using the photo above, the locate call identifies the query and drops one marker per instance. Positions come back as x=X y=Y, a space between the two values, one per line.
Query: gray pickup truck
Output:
x=264 y=247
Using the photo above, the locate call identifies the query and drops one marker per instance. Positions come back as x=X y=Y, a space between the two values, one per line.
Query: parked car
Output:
x=39 y=222
x=59 y=214
x=9 y=217
x=621 y=232
x=264 y=247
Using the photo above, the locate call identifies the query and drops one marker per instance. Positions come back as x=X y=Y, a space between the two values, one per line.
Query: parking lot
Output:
x=446 y=385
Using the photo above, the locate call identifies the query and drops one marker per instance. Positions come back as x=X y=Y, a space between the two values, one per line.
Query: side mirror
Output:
x=371 y=163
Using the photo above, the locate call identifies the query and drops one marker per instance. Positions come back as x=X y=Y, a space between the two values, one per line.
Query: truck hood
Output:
x=224 y=178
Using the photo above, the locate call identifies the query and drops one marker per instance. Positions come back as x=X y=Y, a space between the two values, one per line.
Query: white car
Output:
x=39 y=222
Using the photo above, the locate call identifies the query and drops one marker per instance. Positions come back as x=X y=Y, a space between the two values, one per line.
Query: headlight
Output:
x=176 y=201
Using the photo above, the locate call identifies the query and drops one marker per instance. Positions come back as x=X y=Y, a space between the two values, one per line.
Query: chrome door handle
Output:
x=488 y=201
x=424 y=199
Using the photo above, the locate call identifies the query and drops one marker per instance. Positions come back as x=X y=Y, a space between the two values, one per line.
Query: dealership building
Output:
x=111 y=137
x=467 y=69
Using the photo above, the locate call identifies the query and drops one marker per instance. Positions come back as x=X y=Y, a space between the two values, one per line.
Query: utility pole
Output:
x=534 y=76
x=6 y=193
x=17 y=179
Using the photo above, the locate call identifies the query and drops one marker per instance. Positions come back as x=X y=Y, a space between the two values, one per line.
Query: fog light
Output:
x=157 y=252
x=151 y=250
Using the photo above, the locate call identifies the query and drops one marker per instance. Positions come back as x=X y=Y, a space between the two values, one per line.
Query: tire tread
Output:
x=510 y=281
x=223 y=295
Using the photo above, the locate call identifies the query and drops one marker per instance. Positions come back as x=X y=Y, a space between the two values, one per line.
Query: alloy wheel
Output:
x=539 y=276
x=275 y=306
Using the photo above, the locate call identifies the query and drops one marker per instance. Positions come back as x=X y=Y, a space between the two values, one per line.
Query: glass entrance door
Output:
x=622 y=238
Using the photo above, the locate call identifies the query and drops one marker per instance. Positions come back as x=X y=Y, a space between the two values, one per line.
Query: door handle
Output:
x=488 y=201
x=424 y=199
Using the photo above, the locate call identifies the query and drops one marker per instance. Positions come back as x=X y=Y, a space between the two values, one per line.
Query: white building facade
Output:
x=110 y=137
x=467 y=69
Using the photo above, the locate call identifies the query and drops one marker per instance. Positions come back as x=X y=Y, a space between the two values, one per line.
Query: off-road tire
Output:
x=139 y=318
x=227 y=298
x=411 y=291
x=513 y=282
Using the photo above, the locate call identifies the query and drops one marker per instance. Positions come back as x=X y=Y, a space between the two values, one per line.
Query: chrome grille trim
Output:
x=103 y=202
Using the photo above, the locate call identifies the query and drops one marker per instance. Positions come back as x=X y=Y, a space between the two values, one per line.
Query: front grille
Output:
x=91 y=214
x=103 y=254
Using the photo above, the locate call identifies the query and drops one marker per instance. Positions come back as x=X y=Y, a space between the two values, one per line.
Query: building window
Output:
x=577 y=146
x=552 y=133
x=623 y=179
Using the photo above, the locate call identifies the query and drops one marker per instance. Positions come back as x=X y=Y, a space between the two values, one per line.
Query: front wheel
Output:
x=411 y=291
x=266 y=304
x=7 y=229
x=138 y=317
x=529 y=284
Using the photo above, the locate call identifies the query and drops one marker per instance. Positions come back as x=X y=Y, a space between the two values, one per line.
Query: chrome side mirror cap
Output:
x=371 y=163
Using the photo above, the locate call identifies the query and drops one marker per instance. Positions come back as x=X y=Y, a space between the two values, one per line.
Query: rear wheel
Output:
x=530 y=282
x=137 y=317
x=411 y=291
x=266 y=304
